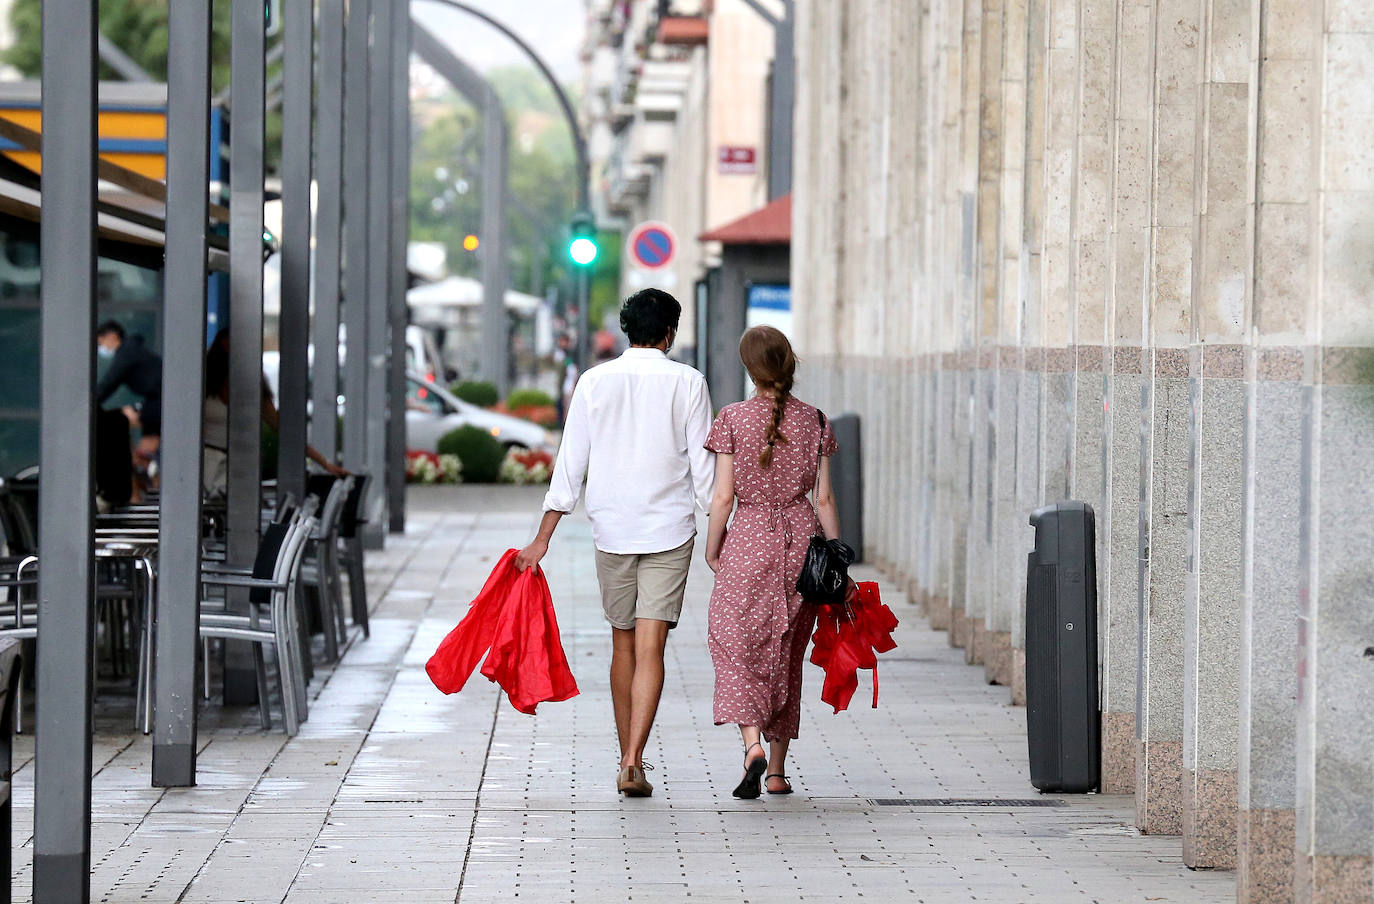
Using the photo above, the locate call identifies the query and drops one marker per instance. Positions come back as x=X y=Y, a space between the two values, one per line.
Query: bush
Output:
x=480 y=453
x=476 y=392
x=528 y=398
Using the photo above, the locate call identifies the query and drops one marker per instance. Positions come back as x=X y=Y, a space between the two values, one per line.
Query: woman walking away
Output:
x=766 y=459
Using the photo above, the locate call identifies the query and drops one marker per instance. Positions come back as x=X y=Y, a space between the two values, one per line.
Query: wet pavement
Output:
x=393 y=792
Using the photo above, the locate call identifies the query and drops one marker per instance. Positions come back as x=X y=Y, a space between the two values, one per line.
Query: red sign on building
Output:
x=736 y=161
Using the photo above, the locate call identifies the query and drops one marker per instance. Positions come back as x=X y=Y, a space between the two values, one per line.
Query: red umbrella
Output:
x=849 y=637
x=512 y=622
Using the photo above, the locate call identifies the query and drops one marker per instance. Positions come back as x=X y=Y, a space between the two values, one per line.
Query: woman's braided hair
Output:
x=772 y=365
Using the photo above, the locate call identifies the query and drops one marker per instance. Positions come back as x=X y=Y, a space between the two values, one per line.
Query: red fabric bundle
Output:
x=849 y=637
x=512 y=622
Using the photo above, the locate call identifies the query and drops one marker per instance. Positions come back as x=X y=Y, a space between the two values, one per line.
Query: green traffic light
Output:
x=582 y=251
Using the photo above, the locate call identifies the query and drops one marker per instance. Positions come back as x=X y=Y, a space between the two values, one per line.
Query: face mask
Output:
x=105 y=352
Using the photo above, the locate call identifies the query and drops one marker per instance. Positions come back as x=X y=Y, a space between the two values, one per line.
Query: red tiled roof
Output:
x=682 y=30
x=770 y=225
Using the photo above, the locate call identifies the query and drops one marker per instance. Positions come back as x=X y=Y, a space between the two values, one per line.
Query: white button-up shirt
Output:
x=636 y=431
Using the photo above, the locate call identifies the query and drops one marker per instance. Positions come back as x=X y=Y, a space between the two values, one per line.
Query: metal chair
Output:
x=272 y=618
x=321 y=571
x=350 y=531
x=11 y=673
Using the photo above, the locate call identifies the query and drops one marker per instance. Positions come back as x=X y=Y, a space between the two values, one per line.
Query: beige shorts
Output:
x=647 y=585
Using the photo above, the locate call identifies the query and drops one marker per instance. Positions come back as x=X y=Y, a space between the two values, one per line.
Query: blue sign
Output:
x=771 y=297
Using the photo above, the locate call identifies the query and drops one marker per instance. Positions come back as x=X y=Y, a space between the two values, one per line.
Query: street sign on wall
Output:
x=732 y=160
x=652 y=246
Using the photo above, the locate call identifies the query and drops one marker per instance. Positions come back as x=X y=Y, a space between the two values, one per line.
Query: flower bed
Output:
x=426 y=467
x=526 y=466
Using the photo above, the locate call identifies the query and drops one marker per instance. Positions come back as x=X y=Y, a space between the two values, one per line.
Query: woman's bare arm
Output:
x=826 y=509
x=722 y=504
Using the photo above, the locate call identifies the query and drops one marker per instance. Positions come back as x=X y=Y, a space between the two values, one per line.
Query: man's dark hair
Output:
x=648 y=315
x=110 y=326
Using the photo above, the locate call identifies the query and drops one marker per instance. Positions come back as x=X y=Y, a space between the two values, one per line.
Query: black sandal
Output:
x=749 y=786
x=787 y=790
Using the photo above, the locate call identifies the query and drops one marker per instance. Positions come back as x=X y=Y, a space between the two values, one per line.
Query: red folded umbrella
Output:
x=849 y=637
x=512 y=622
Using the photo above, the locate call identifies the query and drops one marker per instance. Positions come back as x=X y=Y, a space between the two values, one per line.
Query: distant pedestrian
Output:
x=132 y=364
x=636 y=431
x=771 y=451
x=567 y=375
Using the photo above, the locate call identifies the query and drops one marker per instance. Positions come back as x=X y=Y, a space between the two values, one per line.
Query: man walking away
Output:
x=636 y=430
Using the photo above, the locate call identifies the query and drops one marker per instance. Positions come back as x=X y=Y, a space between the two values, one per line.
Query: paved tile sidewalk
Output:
x=393 y=792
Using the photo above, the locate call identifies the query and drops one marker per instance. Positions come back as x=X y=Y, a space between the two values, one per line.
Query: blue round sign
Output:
x=652 y=246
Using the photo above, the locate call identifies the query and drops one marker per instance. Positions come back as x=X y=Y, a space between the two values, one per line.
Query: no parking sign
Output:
x=652 y=245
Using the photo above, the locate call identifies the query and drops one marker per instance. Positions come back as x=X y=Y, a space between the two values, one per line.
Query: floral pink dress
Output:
x=757 y=627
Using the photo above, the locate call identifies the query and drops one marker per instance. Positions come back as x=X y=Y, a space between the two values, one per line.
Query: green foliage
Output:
x=528 y=398
x=446 y=178
x=479 y=451
x=139 y=28
x=477 y=392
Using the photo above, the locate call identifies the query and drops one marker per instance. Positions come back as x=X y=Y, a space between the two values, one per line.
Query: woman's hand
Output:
x=713 y=563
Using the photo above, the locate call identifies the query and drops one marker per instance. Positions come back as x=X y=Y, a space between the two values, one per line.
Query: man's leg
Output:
x=622 y=678
x=618 y=577
x=650 y=638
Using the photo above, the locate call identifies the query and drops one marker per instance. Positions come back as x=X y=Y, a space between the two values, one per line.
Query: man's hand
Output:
x=529 y=557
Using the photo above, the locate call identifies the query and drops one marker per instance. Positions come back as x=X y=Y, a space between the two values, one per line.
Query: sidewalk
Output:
x=393 y=792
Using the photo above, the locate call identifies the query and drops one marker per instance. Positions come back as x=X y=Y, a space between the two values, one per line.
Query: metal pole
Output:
x=324 y=423
x=176 y=629
x=298 y=27
x=378 y=274
x=495 y=166
x=400 y=236
x=495 y=350
x=584 y=317
x=62 y=786
x=246 y=87
x=356 y=251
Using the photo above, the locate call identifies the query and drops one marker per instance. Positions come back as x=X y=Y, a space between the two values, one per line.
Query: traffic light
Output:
x=582 y=249
x=470 y=242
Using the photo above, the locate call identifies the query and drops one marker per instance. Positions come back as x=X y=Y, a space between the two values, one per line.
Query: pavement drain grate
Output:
x=995 y=803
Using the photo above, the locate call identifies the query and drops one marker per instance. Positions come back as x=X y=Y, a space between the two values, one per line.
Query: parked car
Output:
x=432 y=411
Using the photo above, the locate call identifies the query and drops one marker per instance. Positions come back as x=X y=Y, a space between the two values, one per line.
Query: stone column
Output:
x=1283 y=83
x=1118 y=521
x=1221 y=321
x=1166 y=469
x=1056 y=290
x=1004 y=619
x=1091 y=230
x=1335 y=781
x=967 y=601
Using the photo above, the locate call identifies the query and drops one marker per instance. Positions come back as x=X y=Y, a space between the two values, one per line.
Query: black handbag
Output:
x=824 y=577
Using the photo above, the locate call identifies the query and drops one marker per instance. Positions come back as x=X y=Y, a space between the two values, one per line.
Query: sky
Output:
x=554 y=28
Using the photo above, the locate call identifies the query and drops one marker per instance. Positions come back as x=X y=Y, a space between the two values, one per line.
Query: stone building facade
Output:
x=1122 y=251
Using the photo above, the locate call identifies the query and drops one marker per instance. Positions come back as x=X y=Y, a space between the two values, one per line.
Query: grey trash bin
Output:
x=846 y=479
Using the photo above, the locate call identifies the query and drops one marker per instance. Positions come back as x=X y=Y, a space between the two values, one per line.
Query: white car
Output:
x=432 y=411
